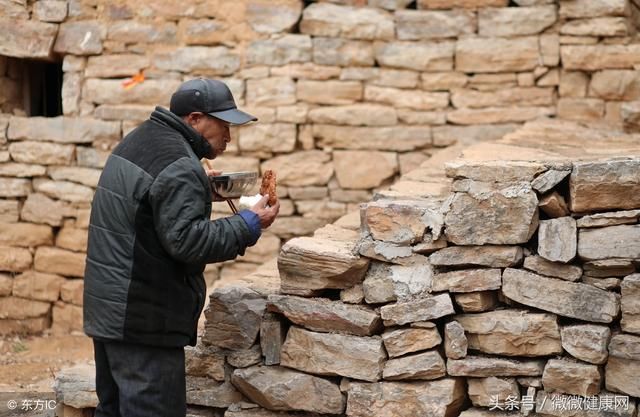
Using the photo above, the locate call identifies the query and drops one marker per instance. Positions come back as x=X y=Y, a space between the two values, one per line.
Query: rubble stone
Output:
x=571 y=377
x=587 y=342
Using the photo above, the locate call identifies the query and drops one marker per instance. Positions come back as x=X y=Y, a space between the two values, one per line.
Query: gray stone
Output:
x=515 y=21
x=342 y=52
x=211 y=393
x=585 y=8
x=383 y=282
x=557 y=239
x=75 y=387
x=494 y=171
x=218 y=60
x=50 y=10
x=419 y=56
x=512 y=333
x=484 y=391
x=567 y=299
x=630 y=304
x=402 y=341
x=587 y=342
x=376 y=138
x=455 y=341
x=401 y=221
x=62 y=129
x=597 y=244
x=141 y=32
x=323 y=315
x=476 y=302
x=26 y=38
x=476 y=366
x=80 y=37
x=571 y=377
x=426 y=308
x=440 y=398
x=547 y=180
x=490 y=256
x=497 y=54
x=417 y=24
x=609 y=268
x=467 y=280
x=324 y=19
x=266 y=16
x=32 y=152
x=244 y=358
x=612 y=218
x=272 y=335
x=279 y=51
x=204 y=361
x=427 y=365
x=279 y=388
x=333 y=354
x=552 y=269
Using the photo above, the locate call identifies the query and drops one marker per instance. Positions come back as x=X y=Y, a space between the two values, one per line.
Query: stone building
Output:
x=350 y=95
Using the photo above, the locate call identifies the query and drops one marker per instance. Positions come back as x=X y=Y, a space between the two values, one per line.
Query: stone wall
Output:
x=516 y=293
x=350 y=95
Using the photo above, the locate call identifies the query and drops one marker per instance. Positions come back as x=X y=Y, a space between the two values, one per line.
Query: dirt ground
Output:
x=29 y=363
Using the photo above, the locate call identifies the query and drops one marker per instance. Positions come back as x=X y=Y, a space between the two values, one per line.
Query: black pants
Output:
x=134 y=380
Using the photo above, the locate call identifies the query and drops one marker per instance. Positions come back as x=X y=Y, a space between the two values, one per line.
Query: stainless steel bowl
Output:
x=233 y=184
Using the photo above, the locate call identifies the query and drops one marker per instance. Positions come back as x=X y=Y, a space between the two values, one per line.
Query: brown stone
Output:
x=484 y=391
x=418 y=56
x=515 y=96
x=497 y=54
x=554 y=205
x=22 y=308
x=31 y=152
x=476 y=302
x=425 y=308
x=355 y=115
x=333 y=354
x=564 y=298
x=467 y=280
x=571 y=377
x=244 y=358
x=439 y=398
x=613 y=218
x=417 y=25
x=14 y=259
x=630 y=304
x=549 y=179
x=552 y=269
x=156 y=92
x=329 y=92
x=402 y=221
x=322 y=315
x=204 y=361
x=342 y=52
x=64 y=190
x=9 y=211
x=66 y=318
x=364 y=169
x=490 y=256
x=427 y=365
x=272 y=336
x=587 y=342
x=37 y=286
x=301 y=168
x=476 y=366
x=50 y=11
x=25 y=234
x=39 y=208
x=467 y=4
x=62 y=129
x=512 y=333
x=280 y=51
x=208 y=392
x=455 y=341
x=13 y=169
x=373 y=138
x=266 y=16
x=384 y=282
x=403 y=98
x=515 y=21
x=80 y=38
x=22 y=38
x=598 y=57
x=585 y=8
x=402 y=341
x=324 y=19
x=218 y=60
x=557 y=239
x=59 y=261
x=278 y=388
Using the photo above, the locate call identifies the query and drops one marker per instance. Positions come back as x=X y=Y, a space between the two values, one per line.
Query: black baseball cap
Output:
x=212 y=97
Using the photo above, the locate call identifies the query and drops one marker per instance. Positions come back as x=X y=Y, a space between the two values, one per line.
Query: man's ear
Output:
x=193 y=118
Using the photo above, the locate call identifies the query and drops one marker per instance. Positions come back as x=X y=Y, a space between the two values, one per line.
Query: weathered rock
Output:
x=245 y=358
x=59 y=261
x=401 y=221
x=581 y=109
x=64 y=190
x=210 y=393
x=279 y=388
x=66 y=318
x=557 y=239
x=571 y=377
x=623 y=364
x=324 y=19
x=417 y=25
x=353 y=295
x=22 y=38
x=613 y=218
x=76 y=387
x=484 y=391
x=467 y=280
x=384 y=282
x=427 y=365
x=204 y=361
x=549 y=179
x=455 y=341
x=596 y=244
x=467 y=4
x=39 y=208
x=9 y=210
x=490 y=256
x=423 y=309
x=31 y=152
x=512 y=333
x=37 y=286
x=498 y=115
x=333 y=354
x=389 y=4
x=552 y=269
x=609 y=268
x=6 y=284
x=301 y=168
x=233 y=317
x=585 y=8
x=588 y=194
x=290 y=227
x=13 y=169
x=514 y=96
x=314 y=263
x=375 y=138
x=477 y=366
x=587 y=342
x=598 y=57
x=218 y=60
x=342 y=52
x=476 y=302
x=50 y=11
x=515 y=21
x=280 y=51
x=494 y=171
x=266 y=16
x=406 y=399
x=364 y=169
x=355 y=114
x=82 y=175
x=272 y=336
x=14 y=259
x=567 y=299
x=418 y=56
x=276 y=137
x=508 y=215
x=325 y=316
x=25 y=234
x=80 y=37
x=402 y=341
x=329 y=92
x=497 y=54
x=273 y=91
x=111 y=92
x=630 y=303
x=71 y=291
x=14 y=187
x=110 y=66
x=554 y=205
x=22 y=308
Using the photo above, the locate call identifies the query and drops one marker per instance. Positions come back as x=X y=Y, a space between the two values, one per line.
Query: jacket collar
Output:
x=197 y=142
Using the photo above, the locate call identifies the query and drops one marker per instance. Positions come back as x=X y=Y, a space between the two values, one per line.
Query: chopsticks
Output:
x=232 y=206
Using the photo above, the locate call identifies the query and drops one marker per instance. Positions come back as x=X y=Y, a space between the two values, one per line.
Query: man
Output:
x=150 y=237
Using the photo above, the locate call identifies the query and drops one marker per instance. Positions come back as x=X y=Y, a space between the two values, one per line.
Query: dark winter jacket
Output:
x=150 y=237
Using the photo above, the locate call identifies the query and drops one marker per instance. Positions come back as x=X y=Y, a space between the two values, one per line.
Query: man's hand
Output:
x=214 y=173
x=266 y=214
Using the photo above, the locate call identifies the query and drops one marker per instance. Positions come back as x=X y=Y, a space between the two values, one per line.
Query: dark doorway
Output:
x=42 y=88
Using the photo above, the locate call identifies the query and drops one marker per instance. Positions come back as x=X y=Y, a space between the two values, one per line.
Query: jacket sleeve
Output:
x=178 y=199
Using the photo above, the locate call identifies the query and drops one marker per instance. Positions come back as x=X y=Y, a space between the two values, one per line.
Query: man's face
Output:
x=215 y=131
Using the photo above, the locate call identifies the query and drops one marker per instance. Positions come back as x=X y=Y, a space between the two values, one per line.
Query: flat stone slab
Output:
x=489 y=256
x=598 y=244
x=569 y=299
x=427 y=365
x=630 y=303
x=478 y=366
x=467 y=280
x=402 y=341
x=552 y=269
x=424 y=309
x=587 y=342
x=572 y=377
